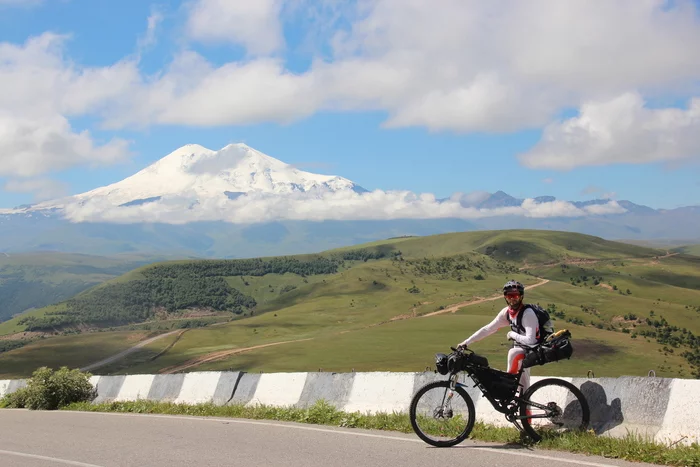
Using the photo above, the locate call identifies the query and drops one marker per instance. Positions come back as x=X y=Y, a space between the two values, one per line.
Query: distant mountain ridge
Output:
x=239 y=202
x=501 y=199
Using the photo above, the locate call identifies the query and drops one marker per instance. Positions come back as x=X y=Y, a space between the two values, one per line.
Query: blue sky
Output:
x=389 y=96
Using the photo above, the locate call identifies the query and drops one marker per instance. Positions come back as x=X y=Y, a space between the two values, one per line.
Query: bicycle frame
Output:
x=509 y=407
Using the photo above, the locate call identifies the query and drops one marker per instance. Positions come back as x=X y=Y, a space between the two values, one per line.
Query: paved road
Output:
x=52 y=439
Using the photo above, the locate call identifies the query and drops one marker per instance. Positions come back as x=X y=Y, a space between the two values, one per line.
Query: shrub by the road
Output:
x=50 y=390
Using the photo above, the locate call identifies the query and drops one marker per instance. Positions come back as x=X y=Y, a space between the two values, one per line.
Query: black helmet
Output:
x=513 y=285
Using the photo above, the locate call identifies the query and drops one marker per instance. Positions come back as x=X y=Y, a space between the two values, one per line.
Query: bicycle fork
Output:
x=445 y=408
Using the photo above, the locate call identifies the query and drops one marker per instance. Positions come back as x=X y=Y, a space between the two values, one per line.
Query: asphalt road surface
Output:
x=87 y=439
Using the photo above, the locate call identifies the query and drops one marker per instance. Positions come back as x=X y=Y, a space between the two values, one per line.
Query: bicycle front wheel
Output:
x=441 y=416
x=553 y=406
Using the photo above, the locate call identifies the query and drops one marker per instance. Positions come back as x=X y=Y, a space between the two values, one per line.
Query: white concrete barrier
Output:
x=380 y=392
x=682 y=417
x=135 y=387
x=665 y=410
x=198 y=387
x=280 y=389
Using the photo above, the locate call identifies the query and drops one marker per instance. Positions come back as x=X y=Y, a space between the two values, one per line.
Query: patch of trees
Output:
x=244 y=267
x=560 y=314
x=585 y=279
x=173 y=287
x=669 y=336
x=7 y=345
x=366 y=254
x=138 y=300
x=675 y=337
x=455 y=267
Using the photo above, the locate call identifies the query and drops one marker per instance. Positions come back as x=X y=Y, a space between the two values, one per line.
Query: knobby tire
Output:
x=585 y=419
x=470 y=420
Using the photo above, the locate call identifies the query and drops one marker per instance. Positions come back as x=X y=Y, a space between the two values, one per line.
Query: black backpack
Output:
x=544 y=321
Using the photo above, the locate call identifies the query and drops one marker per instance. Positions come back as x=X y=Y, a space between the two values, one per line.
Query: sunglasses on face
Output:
x=513 y=295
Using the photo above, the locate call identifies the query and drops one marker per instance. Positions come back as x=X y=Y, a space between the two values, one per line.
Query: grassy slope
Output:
x=72 y=351
x=49 y=277
x=689 y=250
x=342 y=313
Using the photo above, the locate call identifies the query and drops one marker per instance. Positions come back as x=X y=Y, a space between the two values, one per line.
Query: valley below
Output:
x=381 y=306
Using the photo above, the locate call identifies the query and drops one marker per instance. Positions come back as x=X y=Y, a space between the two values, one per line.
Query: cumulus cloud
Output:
x=241 y=94
x=255 y=24
x=35 y=134
x=42 y=189
x=375 y=205
x=35 y=146
x=467 y=66
x=149 y=38
x=619 y=130
x=43 y=81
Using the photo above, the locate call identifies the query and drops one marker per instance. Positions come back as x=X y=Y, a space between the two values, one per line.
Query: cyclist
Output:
x=524 y=331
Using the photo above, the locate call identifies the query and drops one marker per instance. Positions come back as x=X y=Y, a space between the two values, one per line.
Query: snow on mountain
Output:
x=239 y=184
x=203 y=174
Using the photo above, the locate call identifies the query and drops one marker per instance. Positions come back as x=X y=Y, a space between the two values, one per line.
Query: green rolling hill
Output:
x=35 y=280
x=386 y=305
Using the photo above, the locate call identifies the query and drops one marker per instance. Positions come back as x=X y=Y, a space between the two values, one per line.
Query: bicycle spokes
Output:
x=553 y=409
x=441 y=415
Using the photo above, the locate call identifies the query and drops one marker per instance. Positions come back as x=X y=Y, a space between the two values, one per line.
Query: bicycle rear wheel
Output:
x=556 y=406
x=441 y=416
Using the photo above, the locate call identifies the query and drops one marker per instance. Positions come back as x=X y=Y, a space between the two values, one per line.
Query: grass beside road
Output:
x=630 y=448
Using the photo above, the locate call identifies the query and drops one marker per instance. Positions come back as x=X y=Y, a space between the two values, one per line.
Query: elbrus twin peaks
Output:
x=198 y=173
x=239 y=202
x=193 y=178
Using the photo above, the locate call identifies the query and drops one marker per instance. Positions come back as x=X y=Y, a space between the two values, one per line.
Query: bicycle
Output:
x=564 y=407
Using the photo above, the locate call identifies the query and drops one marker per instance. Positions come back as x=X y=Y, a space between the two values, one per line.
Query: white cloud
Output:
x=30 y=147
x=42 y=189
x=466 y=66
x=611 y=207
x=43 y=90
x=242 y=94
x=471 y=199
x=254 y=24
x=378 y=205
x=619 y=130
x=154 y=19
x=44 y=82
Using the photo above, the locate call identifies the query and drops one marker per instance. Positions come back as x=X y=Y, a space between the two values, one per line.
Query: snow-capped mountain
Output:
x=238 y=202
x=201 y=174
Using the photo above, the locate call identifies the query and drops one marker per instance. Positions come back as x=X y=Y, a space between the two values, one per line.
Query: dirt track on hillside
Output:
x=449 y=309
x=220 y=355
x=126 y=352
x=457 y=306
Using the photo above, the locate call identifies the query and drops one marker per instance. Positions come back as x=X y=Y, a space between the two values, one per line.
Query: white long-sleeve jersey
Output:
x=529 y=322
